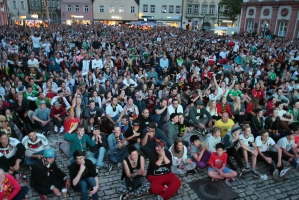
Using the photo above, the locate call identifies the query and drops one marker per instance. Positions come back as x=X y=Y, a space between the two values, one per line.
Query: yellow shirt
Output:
x=225 y=127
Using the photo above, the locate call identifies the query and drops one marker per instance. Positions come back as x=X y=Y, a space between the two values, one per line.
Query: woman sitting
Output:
x=272 y=124
x=163 y=182
x=134 y=181
x=238 y=110
x=212 y=109
x=223 y=106
x=181 y=164
x=250 y=108
x=257 y=122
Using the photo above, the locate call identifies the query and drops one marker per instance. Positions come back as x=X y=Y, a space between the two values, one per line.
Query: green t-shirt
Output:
x=234 y=93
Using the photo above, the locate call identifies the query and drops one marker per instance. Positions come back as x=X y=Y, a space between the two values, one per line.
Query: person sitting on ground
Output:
x=197 y=152
x=35 y=145
x=200 y=116
x=78 y=141
x=181 y=164
x=217 y=165
x=41 y=117
x=225 y=124
x=289 y=151
x=272 y=159
x=12 y=152
x=118 y=150
x=58 y=113
x=172 y=128
x=46 y=177
x=100 y=149
x=134 y=182
x=247 y=139
x=213 y=139
x=133 y=134
x=163 y=182
x=10 y=188
x=83 y=176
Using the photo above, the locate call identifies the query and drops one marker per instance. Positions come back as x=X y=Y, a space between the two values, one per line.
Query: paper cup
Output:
x=64 y=192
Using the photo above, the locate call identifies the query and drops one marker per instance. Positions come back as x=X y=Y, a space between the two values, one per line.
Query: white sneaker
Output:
x=160 y=198
x=285 y=172
x=61 y=129
x=276 y=174
x=55 y=129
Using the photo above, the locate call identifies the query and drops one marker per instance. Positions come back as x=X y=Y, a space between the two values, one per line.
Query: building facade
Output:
x=281 y=17
x=114 y=12
x=37 y=10
x=18 y=11
x=165 y=13
x=205 y=15
x=76 y=12
x=3 y=13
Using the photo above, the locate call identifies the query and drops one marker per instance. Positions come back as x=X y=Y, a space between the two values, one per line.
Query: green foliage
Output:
x=234 y=8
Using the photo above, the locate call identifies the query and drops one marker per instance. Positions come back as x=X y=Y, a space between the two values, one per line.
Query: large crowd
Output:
x=138 y=94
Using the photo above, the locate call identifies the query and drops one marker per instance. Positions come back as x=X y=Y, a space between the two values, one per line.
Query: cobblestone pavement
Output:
x=247 y=186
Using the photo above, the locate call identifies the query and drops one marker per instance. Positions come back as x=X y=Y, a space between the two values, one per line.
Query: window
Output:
x=32 y=2
x=204 y=9
x=121 y=9
x=69 y=8
x=111 y=9
x=194 y=25
x=145 y=8
x=170 y=9
x=77 y=9
x=153 y=8
x=212 y=9
x=54 y=4
x=196 y=9
x=178 y=9
x=43 y=3
x=85 y=8
x=189 y=9
x=35 y=3
x=282 y=29
x=249 y=26
x=14 y=4
x=164 y=9
x=22 y=5
x=132 y=9
x=101 y=9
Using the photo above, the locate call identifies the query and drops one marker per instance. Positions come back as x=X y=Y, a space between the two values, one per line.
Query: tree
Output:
x=233 y=8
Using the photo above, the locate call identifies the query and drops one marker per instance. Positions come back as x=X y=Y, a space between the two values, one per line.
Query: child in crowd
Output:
x=217 y=165
x=213 y=139
x=198 y=153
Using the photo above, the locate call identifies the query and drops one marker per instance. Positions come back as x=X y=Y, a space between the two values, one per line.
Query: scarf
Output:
x=179 y=155
x=119 y=140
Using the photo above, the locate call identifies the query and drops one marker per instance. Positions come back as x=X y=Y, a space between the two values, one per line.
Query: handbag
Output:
x=133 y=183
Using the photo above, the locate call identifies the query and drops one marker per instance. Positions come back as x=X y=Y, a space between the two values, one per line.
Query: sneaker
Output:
x=55 y=129
x=192 y=171
x=43 y=197
x=109 y=167
x=255 y=173
x=276 y=174
x=285 y=172
x=119 y=165
x=246 y=169
x=230 y=179
x=122 y=197
x=160 y=198
x=61 y=129
x=285 y=163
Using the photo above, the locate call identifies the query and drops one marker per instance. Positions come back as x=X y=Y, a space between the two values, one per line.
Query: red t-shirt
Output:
x=217 y=161
x=68 y=124
x=258 y=93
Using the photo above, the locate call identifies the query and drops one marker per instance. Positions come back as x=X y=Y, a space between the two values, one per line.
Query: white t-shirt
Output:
x=281 y=113
x=35 y=41
x=40 y=144
x=245 y=140
x=264 y=146
x=285 y=144
x=11 y=148
x=111 y=112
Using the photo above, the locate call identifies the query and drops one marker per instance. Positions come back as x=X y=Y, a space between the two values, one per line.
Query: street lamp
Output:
x=265 y=26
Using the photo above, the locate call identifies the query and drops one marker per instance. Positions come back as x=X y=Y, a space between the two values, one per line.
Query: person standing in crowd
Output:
x=46 y=177
x=163 y=182
x=83 y=176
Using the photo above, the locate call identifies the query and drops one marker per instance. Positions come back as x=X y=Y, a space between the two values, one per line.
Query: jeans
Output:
x=32 y=161
x=84 y=185
x=58 y=183
x=119 y=155
x=115 y=118
x=157 y=119
x=21 y=195
x=98 y=157
x=158 y=70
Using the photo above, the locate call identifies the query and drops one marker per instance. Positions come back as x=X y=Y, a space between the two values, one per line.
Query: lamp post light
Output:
x=265 y=26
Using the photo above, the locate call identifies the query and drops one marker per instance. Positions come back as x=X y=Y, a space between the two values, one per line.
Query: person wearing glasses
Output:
x=84 y=177
x=47 y=177
x=163 y=182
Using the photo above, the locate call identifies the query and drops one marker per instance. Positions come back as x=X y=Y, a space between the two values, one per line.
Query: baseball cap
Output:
x=49 y=153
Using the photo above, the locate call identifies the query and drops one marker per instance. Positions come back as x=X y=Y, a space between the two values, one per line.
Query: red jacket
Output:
x=228 y=109
x=258 y=93
x=61 y=111
x=10 y=184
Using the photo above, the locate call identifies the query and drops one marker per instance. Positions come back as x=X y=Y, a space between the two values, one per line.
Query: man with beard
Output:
x=133 y=134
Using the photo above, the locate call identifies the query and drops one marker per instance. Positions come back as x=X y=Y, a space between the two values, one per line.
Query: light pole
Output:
x=203 y=21
x=265 y=27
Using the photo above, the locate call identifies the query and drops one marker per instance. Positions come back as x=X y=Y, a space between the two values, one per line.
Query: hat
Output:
x=135 y=124
x=56 y=103
x=49 y=153
x=200 y=102
x=96 y=127
x=42 y=102
x=235 y=128
x=160 y=143
x=2 y=118
x=82 y=83
x=152 y=125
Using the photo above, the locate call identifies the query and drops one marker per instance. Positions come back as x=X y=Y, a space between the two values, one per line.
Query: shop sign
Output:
x=34 y=16
x=77 y=16
x=115 y=17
